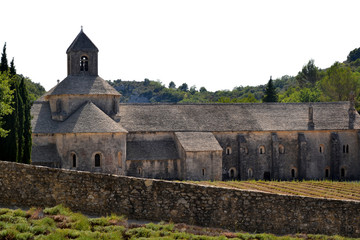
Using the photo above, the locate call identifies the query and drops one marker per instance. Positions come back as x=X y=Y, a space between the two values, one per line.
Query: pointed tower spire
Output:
x=82 y=56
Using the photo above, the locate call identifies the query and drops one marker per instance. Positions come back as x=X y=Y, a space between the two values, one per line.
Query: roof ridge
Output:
x=257 y=103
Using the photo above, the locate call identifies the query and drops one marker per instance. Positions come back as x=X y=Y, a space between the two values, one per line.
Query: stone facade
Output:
x=80 y=124
x=156 y=200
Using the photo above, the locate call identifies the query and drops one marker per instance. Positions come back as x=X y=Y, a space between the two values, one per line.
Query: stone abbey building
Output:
x=80 y=124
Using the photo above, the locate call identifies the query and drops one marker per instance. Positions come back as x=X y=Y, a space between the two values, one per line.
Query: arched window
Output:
x=262 y=149
x=73 y=159
x=321 y=148
x=84 y=64
x=281 y=149
x=250 y=173
x=346 y=148
x=232 y=172
x=228 y=151
x=97 y=160
x=327 y=172
x=203 y=171
x=139 y=171
x=267 y=176
x=58 y=106
x=293 y=173
x=342 y=172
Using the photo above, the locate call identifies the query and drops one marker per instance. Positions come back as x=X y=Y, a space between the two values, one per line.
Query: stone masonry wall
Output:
x=96 y=193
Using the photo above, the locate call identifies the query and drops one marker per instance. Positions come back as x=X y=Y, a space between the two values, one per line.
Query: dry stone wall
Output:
x=96 y=193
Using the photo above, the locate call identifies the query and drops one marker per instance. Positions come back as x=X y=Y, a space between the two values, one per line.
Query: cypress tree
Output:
x=21 y=120
x=26 y=151
x=270 y=94
x=12 y=68
x=17 y=145
x=4 y=63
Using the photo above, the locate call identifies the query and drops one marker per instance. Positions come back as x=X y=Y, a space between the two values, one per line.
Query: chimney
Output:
x=311 y=124
x=352 y=110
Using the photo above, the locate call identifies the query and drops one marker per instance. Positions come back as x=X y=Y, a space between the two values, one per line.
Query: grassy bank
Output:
x=60 y=223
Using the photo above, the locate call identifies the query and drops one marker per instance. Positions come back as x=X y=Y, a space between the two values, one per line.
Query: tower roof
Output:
x=82 y=43
x=83 y=85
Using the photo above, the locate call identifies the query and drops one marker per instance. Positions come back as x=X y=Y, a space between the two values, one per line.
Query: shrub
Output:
x=79 y=222
x=8 y=234
x=24 y=236
x=59 y=209
x=20 y=213
x=140 y=232
x=22 y=227
x=4 y=211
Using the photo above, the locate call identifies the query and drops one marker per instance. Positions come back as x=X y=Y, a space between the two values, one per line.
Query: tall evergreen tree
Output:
x=26 y=152
x=12 y=68
x=4 y=62
x=21 y=119
x=270 y=94
x=16 y=146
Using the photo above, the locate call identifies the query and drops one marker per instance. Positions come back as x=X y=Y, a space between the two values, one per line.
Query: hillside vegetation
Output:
x=318 y=189
x=311 y=84
x=60 y=223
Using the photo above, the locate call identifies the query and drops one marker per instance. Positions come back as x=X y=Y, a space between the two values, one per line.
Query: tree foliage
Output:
x=354 y=55
x=4 y=62
x=6 y=96
x=309 y=75
x=338 y=82
x=270 y=94
x=184 y=87
x=172 y=85
x=16 y=145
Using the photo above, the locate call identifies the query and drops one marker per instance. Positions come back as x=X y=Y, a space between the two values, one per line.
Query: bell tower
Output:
x=82 y=56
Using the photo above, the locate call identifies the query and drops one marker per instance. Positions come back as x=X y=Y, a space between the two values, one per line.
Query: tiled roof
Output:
x=198 y=141
x=82 y=43
x=87 y=119
x=83 y=85
x=41 y=121
x=234 y=117
x=213 y=117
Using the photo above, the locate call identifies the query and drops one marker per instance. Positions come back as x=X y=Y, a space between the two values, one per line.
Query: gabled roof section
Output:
x=198 y=141
x=89 y=119
x=82 y=43
x=234 y=117
x=83 y=85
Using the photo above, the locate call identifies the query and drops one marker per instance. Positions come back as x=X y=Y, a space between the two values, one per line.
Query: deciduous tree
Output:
x=5 y=101
x=339 y=82
x=309 y=75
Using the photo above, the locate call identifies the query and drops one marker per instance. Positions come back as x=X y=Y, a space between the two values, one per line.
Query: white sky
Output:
x=218 y=44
